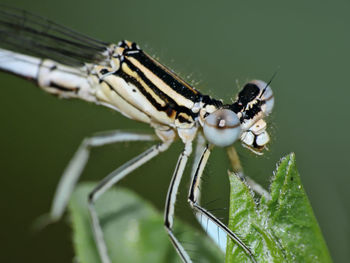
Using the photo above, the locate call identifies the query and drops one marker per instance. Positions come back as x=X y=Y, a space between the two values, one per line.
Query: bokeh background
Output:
x=215 y=45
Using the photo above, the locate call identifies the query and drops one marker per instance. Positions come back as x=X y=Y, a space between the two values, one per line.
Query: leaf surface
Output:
x=133 y=230
x=282 y=228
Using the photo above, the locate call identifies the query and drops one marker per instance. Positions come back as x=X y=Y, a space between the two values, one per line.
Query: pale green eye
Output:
x=222 y=127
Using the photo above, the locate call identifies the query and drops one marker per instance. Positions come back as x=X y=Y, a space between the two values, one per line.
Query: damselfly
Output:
x=124 y=78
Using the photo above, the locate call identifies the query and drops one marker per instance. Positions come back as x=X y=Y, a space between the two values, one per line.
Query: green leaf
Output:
x=282 y=228
x=133 y=230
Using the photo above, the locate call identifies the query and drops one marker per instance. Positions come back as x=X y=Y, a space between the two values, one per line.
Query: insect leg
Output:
x=238 y=170
x=215 y=233
x=200 y=211
x=171 y=199
x=78 y=162
x=108 y=182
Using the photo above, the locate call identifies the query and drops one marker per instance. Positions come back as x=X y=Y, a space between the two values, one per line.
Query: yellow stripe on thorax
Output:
x=134 y=74
x=161 y=85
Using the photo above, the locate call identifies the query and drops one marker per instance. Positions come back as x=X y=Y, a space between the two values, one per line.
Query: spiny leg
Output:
x=78 y=162
x=215 y=233
x=171 y=199
x=194 y=197
x=108 y=182
x=238 y=170
x=201 y=144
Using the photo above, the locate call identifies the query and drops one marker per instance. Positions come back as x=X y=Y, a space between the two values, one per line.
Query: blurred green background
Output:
x=214 y=45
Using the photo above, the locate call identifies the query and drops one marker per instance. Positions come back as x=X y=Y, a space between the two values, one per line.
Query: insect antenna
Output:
x=268 y=83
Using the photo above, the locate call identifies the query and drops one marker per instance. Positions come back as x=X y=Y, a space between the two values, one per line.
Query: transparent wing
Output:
x=26 y=33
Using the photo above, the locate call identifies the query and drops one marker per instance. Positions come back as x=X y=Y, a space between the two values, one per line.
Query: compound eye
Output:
x=266 y=95
x=222 y=127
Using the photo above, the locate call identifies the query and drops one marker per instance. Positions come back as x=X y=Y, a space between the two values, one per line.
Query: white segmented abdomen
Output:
x=55 y=78
x=66 y=81
x=19 y=64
